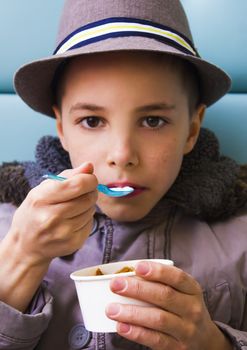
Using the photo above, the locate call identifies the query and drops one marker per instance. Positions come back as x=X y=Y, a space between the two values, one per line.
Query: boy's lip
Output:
x=137 y=188
x=124 y=184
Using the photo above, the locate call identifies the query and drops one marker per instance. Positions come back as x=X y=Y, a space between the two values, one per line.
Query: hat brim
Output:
x=33 y=81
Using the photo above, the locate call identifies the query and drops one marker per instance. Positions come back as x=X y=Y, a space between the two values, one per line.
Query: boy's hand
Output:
x=54 y=220
x=56 y=217
x=179 y=319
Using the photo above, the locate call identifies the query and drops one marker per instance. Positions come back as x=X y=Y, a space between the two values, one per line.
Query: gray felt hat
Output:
x=90 y=26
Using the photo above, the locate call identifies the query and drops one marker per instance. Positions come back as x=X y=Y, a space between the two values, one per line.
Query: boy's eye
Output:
x=153 y=122
x=91 y=122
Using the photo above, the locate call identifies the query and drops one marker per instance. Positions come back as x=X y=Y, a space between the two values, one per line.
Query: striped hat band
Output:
x=122 y=27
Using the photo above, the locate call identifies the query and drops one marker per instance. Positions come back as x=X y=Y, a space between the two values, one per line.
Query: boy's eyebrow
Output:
x=89 y=106
x=146 y=108
x=155 y=107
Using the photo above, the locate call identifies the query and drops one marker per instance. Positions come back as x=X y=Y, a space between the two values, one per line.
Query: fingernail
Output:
x=143 y=268
x=118 y=285
x=112 y=309
x=86 y=165
x=123 y=328
x=82 y=165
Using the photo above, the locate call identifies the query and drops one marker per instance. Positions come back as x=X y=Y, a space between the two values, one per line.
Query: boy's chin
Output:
x=125 y=214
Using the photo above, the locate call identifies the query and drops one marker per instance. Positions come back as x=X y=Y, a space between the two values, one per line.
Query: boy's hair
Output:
x=187 y=71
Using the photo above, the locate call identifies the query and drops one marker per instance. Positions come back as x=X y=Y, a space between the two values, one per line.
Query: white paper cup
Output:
x=94 y=293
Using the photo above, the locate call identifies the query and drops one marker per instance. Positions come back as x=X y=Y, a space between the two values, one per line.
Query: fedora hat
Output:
x=94 y=26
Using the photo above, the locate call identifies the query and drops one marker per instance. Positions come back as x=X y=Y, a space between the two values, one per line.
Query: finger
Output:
x=155 y=293
x=168 y=275
x=147 y=337
x=76 y=240
x=51 y=191
x=79 y=222
x=147 y=317
x=54 y=228
x=64 y=238
x=84 y=232
x=85 y=168
x=75 y=207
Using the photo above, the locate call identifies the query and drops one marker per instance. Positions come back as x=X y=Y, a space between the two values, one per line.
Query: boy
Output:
x=128 y=91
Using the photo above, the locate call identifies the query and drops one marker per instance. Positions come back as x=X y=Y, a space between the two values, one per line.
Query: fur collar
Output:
x=209 y=186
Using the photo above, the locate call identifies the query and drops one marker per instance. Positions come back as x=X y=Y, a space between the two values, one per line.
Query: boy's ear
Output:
x=59 y=126
x=195 y=126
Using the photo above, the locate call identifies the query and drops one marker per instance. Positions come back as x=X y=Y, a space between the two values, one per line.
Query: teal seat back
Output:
x=28 y=30
x=219 y=29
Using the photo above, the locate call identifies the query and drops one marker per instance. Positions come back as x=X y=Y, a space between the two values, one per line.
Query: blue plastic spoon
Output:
x=111 y=192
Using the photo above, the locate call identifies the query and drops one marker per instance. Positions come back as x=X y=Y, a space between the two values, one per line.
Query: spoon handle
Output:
x=54 y=177
x=102 y=188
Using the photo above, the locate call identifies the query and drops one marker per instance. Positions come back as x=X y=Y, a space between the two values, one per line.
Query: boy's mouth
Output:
x=137 y=188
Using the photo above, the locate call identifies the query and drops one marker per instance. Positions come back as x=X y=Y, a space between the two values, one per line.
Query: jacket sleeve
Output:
x=237 y=337
x=23 y=330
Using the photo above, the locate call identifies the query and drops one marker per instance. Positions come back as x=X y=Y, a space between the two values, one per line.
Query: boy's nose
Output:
x=122 y=154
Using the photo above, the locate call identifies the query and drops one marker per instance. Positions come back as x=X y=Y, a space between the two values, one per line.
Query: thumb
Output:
x=84 y=168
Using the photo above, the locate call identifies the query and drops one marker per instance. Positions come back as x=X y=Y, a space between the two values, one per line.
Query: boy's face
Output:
x=127 y=114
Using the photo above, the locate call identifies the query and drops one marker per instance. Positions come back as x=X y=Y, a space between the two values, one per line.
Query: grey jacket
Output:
x=201 y=225
x=215 y=255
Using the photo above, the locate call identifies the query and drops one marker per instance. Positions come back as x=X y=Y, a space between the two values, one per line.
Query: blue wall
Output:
x=28 y=30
